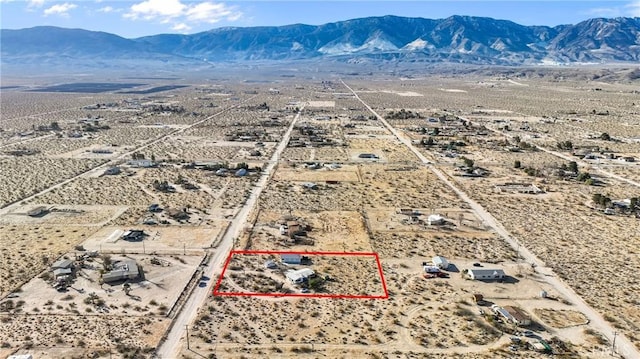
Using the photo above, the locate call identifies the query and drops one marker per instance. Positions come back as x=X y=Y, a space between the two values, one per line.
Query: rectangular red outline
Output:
x=301 y=295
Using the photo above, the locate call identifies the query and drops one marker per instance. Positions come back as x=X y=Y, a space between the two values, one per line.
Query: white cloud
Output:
x=633 y=9
x=106 y=9
x=36 y=3
x=60 y=9
x=605 y=12
x=156 y=9
x=181 y=27
x=212 y=12
x=182 y=15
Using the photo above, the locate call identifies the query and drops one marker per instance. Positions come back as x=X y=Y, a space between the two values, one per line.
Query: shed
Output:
x=300 y=275
x=222 y=172
x=20 y=356
x=541 y=346
x=61 y=272
x=133 y=235
x=62 y=264
x=485 y=274
x=141 y=163
x=519 y=317
x=309 y=185
x=291 y=258
x=440 y=262
x=368 y=155
x=38 y=211
x=111 y=171
x=435 y=219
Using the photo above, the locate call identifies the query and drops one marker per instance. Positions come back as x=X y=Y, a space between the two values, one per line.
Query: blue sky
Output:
x=134 y=18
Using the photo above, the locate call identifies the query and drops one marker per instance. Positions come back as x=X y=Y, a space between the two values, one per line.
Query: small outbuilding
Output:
x=440 y=262
x=62 y=264
x=309 y=185
x=141 y=163
x=291 y=258
x=60 y=273
x=112 y=171
x=368 y=156
x=518 y=316
x=133 y=235
x=435 y=220
x=38 y=211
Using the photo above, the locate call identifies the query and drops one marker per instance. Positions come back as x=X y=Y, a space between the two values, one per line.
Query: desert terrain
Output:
x=370 y=178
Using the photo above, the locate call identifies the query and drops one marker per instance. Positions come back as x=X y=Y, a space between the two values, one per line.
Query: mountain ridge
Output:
x=465 y=39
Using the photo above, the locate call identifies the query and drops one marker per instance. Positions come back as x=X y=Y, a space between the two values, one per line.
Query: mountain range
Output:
x=458 y=39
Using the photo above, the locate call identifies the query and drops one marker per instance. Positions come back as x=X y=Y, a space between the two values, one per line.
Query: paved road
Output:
x=623 y=345
x=172 y=345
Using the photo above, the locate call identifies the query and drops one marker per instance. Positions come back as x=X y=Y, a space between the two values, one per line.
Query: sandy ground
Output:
x=349 y=275
x=423 y=317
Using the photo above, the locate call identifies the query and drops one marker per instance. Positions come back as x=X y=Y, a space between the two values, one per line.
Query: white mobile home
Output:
x=485 y=274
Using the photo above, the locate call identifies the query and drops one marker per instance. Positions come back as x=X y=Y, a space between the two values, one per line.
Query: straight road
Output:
x=623 y=345
x=170 y=348
x=8 y=207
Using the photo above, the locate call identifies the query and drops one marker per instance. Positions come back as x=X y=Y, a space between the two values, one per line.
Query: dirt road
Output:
x=171 y=346
x=10 y=206
x=623 y=345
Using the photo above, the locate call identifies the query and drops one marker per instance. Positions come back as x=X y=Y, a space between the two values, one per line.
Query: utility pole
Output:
x=613 y=345
x=187 y=328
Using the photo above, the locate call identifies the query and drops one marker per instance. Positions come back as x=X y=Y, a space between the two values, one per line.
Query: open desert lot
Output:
x=26 y=176
x=310 y=217
x=165 y=239
x=343 y=275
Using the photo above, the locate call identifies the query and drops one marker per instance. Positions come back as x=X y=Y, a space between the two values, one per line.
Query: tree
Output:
x=601 y=200
x=429 y=141
x=573 y=166
x=583 y=176
x=55 y=126
x=517 y=164
x=605 y=137
x=106 y=262
x=565 y=145
x=467 y=162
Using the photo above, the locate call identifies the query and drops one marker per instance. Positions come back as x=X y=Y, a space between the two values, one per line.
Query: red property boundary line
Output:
x=216 y=291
